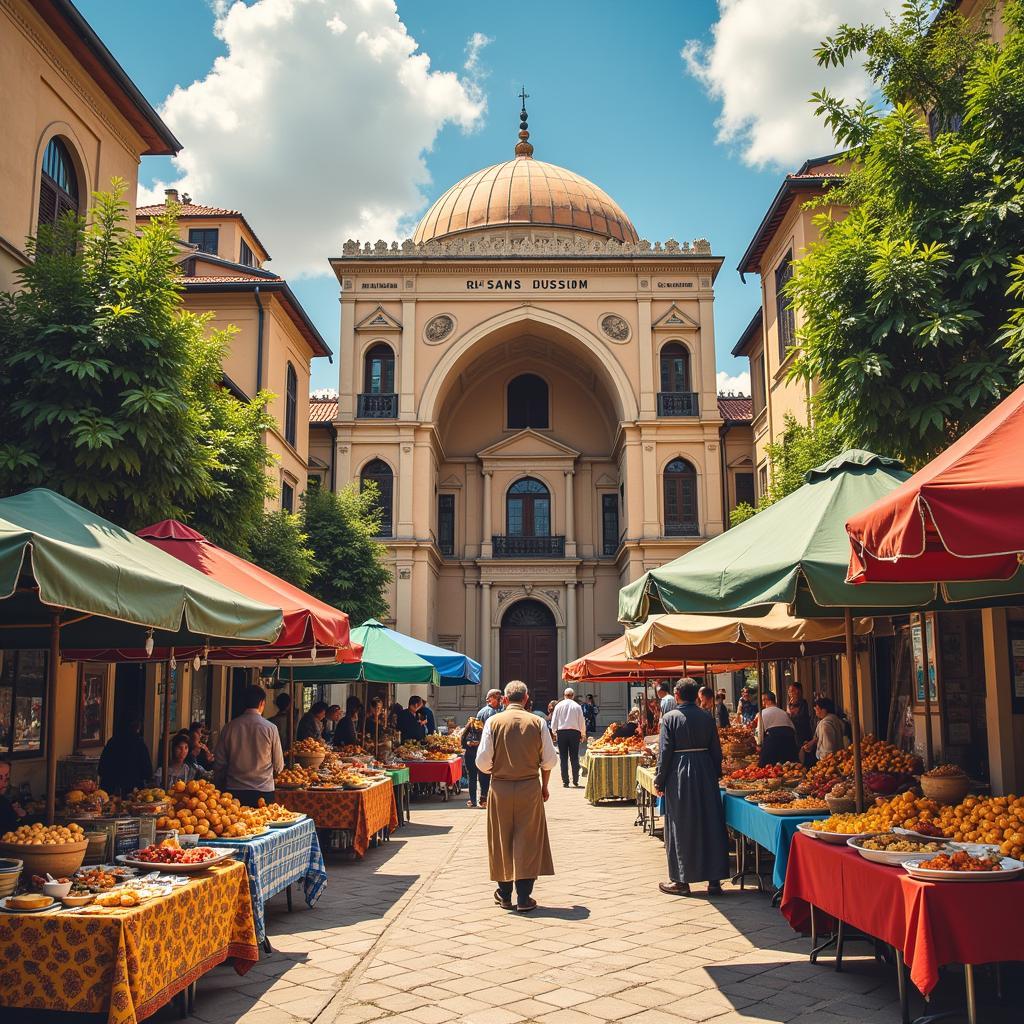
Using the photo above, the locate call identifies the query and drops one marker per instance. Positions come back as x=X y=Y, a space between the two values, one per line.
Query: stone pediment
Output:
x=675 y=320
x=528 y=445
x=379 y=320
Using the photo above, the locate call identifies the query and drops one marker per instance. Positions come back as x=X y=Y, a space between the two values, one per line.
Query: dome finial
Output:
x=523 y=147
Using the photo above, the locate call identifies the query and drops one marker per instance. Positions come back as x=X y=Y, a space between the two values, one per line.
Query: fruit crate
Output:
x=76 y=768
x=124 y=835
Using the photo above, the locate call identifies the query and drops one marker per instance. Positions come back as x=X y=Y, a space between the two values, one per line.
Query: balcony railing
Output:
x=678 y=403
x=527 y=547
x=377 y=407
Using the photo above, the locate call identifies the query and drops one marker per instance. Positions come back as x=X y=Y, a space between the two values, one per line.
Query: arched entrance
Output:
x=529 y=650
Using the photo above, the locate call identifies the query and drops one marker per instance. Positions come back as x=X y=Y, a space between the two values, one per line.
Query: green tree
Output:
x=280 y=545
x=798 y=449
x=112 y=392
x=904 y=300
x=342 y=529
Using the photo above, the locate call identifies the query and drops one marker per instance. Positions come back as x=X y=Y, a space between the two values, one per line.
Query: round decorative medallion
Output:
x=438 y=328
x=615 y=327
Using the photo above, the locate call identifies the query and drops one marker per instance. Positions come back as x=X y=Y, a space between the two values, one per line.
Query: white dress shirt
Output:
x=568 y=715
x=773 y=717
x=485 y=752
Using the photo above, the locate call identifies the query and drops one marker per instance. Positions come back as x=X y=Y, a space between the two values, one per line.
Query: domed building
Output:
x=532 y=387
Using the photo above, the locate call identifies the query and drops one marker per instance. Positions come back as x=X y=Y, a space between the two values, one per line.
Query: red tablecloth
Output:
x=932 y=923
x=446 y=772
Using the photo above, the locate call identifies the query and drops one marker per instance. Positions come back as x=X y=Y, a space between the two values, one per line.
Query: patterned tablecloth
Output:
x=611 y=776
x=278 y=858
x=363 y=812
x=128 y=963
x=446 y=773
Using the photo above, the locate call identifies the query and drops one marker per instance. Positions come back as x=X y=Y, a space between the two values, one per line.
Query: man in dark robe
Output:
x=689 y=767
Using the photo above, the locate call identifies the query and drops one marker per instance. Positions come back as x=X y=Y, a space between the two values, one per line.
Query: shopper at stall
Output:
x=311 y=724
x=514 y=750
x=282 y=719
x=828 y=734
x=179 y=769
x=200 y=756
x=470 y=742
x=800 y=713
x=775 y=731
x=11 y=812
x=492 y=705
x=426 y=716
x=747 y=708
x=409 y=723
x=248 y=753
x=689 y=767
x=721 y=711
x=570 y=728
x=331 y=721
x=665 y=698
x=706 y=700
x=590 y=713
x=347 y=732
x=125 y=763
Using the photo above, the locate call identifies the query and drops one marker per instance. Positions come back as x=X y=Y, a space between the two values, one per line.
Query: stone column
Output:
x=571 y=651
x=645 y=348
x=407 y=362
x=485 y=635
x=570 y=515
x=348 y=374
x=485 y=537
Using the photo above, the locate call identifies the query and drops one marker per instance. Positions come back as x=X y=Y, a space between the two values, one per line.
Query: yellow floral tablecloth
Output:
x=363 y=812
x=128 y=963
x=611 y=776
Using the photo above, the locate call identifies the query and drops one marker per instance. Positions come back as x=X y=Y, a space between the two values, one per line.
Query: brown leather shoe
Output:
x=527 y=905
x=501 y=901
x=674 y=888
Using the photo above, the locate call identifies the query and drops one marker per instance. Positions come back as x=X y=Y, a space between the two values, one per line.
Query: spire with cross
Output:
x=523 y=147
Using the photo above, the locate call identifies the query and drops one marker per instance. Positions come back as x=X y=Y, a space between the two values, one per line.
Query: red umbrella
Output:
x=960 y=518
x=310 y=625
x=611 y=664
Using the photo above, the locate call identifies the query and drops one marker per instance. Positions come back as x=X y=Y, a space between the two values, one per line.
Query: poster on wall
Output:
x=924 y=663
x=1015 y=633
x=92 y=707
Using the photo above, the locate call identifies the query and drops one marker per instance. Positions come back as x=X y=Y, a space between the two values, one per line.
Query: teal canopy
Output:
x=796 y=552
x=455 y=669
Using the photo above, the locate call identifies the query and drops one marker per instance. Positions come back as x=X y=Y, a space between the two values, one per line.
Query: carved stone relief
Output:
x=438 y=328
x=615 y=327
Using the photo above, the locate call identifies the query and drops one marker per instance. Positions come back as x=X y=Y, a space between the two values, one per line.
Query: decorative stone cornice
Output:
x=501 y=245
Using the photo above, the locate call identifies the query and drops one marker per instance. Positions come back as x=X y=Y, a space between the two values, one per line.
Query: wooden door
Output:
x=529 y=651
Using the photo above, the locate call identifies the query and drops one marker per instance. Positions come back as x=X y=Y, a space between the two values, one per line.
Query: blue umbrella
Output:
x=454 y=669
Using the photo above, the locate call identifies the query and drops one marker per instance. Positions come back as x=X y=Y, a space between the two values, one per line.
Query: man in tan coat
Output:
x=517 y=752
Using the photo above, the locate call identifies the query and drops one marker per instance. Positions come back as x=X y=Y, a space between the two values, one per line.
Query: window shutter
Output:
x=47 y=202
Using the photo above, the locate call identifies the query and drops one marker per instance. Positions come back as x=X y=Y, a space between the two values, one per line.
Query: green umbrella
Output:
x=796 y=553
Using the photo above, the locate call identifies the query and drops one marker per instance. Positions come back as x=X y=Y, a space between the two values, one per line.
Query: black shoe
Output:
x=674 y=888
x=505 y=904
x=565 y=785
x=576 y=785
x=714 y=888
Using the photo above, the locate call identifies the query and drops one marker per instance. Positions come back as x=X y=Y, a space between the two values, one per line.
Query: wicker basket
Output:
x=310 y=760
x=10 y=872
x=55 y=860
x=97 y=851
x=949 y=789
x=842 y=804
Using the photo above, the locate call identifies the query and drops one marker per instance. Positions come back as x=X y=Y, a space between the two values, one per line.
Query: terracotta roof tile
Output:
x=323 y=410
x=229 y=278
x=186 y=210
x=736 y=409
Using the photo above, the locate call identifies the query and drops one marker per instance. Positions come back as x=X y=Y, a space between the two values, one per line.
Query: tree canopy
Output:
x=909 y=325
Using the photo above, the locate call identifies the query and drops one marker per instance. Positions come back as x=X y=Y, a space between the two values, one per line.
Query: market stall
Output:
x=125 y=963
x=445 y=774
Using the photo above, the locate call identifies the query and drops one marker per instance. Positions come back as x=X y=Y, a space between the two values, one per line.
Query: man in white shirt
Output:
x=248 y=753
x=776 y=732
x=570 y=728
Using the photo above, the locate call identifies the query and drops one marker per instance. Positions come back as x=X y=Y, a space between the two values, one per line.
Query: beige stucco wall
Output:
x=46 y=92
x=232 y=232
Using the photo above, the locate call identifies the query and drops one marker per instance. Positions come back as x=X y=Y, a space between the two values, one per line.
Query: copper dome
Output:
x=525 y=192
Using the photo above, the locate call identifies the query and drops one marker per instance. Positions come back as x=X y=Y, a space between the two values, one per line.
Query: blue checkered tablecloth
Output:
x=275 y=860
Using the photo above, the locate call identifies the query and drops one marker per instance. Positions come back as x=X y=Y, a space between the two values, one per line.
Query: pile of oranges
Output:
x=994 y=819
x=876 y=756
x=200 y=809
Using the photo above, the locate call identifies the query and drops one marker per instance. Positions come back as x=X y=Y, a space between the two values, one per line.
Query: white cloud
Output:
x=739 y=384
x=760 y=66
x=316 y=123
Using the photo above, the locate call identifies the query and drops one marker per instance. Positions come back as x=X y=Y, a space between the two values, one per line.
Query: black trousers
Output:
x=524 y=889
x=250 y=797
x=569 y=750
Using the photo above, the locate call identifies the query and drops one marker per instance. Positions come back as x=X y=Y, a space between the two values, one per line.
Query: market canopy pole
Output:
x=851 y=661
x=52 y=673
x=171 y=665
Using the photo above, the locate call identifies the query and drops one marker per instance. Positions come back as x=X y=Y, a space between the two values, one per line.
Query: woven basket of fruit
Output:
x=946 y=784
x=46 y=849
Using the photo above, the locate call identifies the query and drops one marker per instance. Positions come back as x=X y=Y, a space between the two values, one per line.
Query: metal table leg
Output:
x=288 y=896
x=901 y=984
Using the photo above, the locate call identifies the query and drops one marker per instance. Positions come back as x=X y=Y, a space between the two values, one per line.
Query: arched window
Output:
x=527 y=402
x=379 y=367
x=291 y=405
x=528 y=509
x=675 y=368
x=680 y=488
x=58 y=187
x=379 y=472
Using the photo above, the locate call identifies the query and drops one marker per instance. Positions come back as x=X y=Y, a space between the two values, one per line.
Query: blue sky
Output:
x=610 y=98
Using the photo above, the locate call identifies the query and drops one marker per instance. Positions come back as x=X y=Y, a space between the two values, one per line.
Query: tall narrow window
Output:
x=785 y=319
x=528 y=509
x=527 y=402
x=609 y=523
x=291 y=405
x=206 y=239
x=379 y=472
x=287 y=497
x=757 y=382
x=680 y=488
x=58 y=186
x=446 y=524
x=745 y=489
x=675 y=368
x=245 y=255
x=379 y=371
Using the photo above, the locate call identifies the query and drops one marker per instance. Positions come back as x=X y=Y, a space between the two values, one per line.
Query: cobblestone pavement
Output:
x=411 y=935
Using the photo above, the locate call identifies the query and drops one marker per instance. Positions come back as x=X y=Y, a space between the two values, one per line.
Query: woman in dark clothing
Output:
x=689 y=767
x=125 y=763
x=470 y=741
x=347 y=732
x=800 y=713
